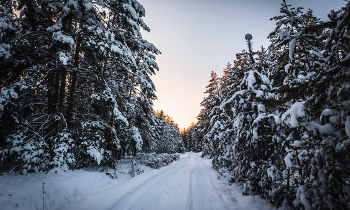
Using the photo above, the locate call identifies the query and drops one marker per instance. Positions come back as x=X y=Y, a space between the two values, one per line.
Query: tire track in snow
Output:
x=189 y=202
x=177 y=194
x=152 y=191
x=213 y=186
x=203 y=194
x=185 y=184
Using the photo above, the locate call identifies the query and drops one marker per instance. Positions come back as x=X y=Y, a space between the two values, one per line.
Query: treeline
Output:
x=168 y=134
x=76 y=86
x=279 y=125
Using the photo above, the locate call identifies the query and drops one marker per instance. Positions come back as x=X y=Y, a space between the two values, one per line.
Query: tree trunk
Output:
x=288 y=176
x=134 y=150
x=73 y=82
x=119 y=154
x=62 y=89
x=64 y=71
x=51 y=79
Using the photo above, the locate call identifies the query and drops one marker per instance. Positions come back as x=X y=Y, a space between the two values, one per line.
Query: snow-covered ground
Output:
x=189 y=183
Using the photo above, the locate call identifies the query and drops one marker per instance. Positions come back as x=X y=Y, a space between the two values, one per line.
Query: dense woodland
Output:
x=76 y=91
x=279 y=124
x=76 y=86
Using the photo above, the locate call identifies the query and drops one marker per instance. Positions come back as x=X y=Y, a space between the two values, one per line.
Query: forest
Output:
x=277 y=122
x=76 y=91
x=76 y=86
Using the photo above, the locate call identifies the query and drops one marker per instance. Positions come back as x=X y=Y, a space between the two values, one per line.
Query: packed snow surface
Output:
x=189 y=183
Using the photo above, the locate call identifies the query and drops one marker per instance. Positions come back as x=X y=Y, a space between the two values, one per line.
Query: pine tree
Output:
x=330 y=109
x=169 y=139
x=295 y=58
x=210 y=104
x=76 y=83
x=286 y=140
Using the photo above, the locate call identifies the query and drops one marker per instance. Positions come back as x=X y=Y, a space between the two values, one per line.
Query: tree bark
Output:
x=62 y=89
x=64 y=73
x=51 y=78
x=73 y=82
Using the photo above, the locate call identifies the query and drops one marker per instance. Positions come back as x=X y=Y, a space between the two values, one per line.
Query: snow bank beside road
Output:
x=232 y=194
x=25 y=192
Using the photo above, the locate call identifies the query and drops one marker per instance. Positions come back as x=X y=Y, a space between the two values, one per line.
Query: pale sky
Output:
x=200 y=36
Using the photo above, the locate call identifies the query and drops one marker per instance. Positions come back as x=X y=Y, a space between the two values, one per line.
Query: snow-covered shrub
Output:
x=25 y=155
x=154 y=160
x=63 y=157
x=111 y=173
x=135 y=169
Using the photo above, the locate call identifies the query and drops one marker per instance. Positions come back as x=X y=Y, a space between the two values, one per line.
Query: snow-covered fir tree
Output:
x=282 y=130
x=169 y=139
x=329 y=106
x=76 y=84
x=210 y=112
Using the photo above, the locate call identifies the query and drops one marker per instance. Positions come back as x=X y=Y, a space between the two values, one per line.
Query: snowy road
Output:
x=185 y=184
